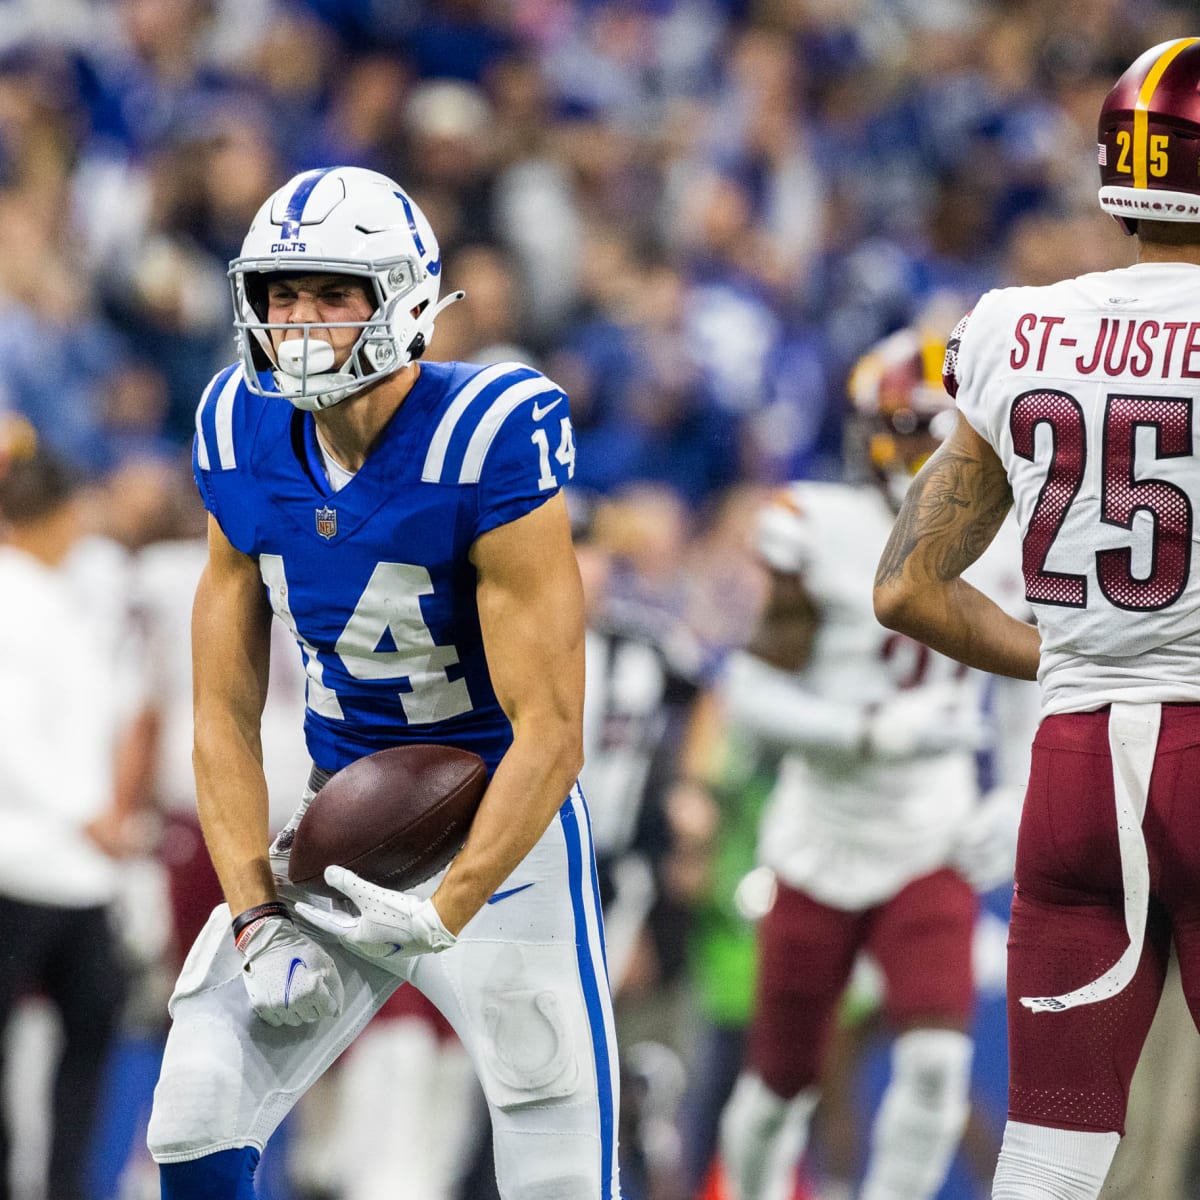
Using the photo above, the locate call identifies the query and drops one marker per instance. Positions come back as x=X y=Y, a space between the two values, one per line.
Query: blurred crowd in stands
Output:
x=694 y=215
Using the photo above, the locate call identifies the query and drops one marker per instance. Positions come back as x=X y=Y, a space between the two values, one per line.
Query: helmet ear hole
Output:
x=418 y=345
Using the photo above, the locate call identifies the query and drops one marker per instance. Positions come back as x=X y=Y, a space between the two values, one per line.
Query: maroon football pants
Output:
x=921 y=939
x=1072 y=1069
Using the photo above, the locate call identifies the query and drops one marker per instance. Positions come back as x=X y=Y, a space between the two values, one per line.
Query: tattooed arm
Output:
x=949 y=517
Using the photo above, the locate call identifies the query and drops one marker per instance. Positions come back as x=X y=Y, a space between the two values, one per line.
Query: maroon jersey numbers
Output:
x=1124 y=493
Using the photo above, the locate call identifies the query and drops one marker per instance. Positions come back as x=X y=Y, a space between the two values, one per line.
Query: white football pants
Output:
x=525 y=988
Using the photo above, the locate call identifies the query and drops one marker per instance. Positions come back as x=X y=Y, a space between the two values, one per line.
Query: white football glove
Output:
x=390 y=926
x=920 y=724
x=985 y=850
x=289 y=978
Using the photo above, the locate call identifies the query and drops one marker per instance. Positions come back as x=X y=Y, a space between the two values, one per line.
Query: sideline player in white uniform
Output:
x=64 y=826
x=1077 y=405
x=404 y=521
x=874 y=813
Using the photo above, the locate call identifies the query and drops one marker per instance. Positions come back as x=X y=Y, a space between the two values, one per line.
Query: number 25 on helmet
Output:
x=1149 y=138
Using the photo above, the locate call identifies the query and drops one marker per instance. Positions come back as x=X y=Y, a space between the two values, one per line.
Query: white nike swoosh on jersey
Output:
x=539 y=412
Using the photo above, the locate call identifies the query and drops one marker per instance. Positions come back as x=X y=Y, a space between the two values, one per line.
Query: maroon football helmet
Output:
x=1149 y=138
x=897 y=393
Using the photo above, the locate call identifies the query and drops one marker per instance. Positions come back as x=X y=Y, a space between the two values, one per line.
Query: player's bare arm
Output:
x=230 y=656
x=531 y=613
x=949 y=517
x=787 y=625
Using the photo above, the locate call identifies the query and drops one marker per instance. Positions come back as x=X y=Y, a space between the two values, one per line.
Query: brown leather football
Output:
x=395 y=817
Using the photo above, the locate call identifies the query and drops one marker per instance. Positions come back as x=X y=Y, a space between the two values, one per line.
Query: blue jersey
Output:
x=374 y=580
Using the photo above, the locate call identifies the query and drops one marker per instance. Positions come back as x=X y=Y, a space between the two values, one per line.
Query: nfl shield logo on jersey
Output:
x=327 y=522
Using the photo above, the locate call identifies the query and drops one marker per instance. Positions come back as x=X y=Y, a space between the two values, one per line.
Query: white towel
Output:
x=1132 y=741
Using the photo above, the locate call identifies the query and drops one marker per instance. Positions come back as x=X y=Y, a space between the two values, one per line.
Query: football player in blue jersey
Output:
x=404 y=520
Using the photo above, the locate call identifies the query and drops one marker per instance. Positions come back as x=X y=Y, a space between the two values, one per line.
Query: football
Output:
x=395 y=817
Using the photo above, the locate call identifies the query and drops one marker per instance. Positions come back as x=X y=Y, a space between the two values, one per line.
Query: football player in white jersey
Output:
x=875 y=816
x=403 y=520
x=1077 y=407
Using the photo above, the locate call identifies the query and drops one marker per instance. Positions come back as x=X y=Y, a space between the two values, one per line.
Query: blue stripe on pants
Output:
x=591 y=991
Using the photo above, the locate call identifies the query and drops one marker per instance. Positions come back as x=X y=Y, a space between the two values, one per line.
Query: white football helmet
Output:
x=343 y=221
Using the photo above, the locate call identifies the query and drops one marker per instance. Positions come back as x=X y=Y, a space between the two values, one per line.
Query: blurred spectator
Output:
x=688 y=441
x=536 y=217
x=722 y=955
x=291 y=68
x=38 y=128
x=457 y=39
x=647 y=672
x=484 y=327
x=597 y=359
x=58 y=353
x=757 y=134
x=65 y=824
x=647 y=738
x=447 y=125
x=358 y=127
x=146 y=72
x=158 y=282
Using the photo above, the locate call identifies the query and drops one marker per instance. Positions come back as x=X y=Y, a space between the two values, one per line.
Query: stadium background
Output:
x=693 y=214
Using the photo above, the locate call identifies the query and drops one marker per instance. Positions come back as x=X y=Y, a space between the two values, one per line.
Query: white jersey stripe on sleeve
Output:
x=435 y=459
x=224 y=420
x=201 y=445
x=491 y=421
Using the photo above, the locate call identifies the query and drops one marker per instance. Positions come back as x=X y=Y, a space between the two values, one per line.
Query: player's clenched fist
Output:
x=289 y=978
x=391 y=926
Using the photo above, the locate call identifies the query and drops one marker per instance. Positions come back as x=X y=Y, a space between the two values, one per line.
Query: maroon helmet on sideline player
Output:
x=896 y=391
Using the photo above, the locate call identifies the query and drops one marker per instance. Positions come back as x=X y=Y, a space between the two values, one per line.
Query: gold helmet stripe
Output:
x=933 y=359
x=1141 y=116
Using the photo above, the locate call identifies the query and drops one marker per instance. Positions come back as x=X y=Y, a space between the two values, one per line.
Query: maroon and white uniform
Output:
x=1086 y=389
x=852 y=830
x=864 y=848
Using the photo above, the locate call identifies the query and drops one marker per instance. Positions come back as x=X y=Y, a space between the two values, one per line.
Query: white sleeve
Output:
x=776 y=708
x=971 y=363
x=784 y=534
x=56 y=765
